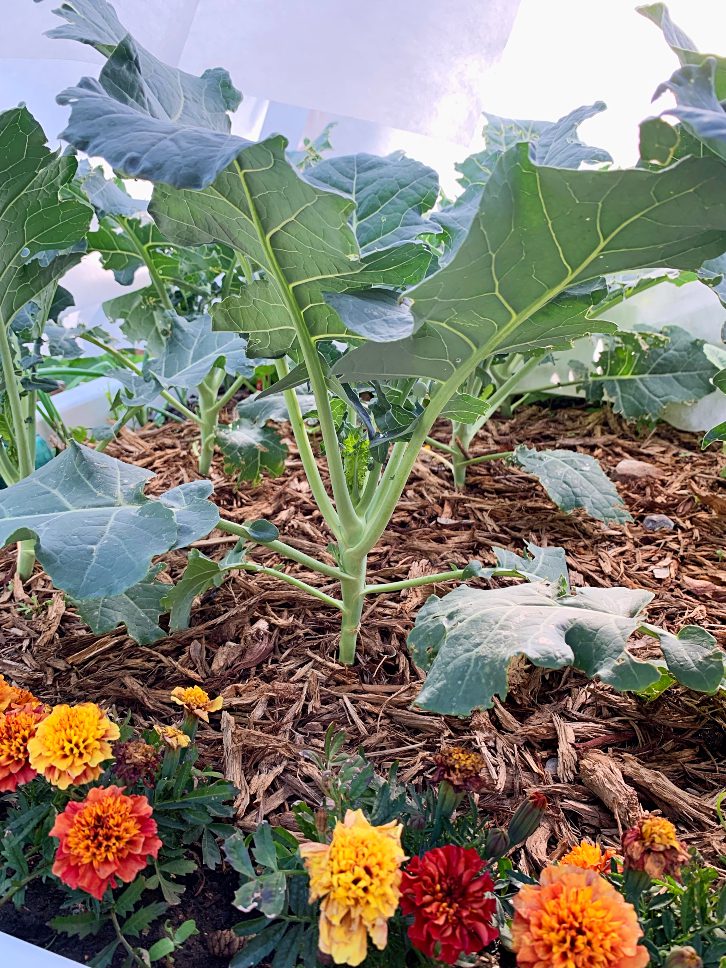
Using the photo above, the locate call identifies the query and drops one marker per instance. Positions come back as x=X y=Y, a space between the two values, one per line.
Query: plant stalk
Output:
x=209 y=414
x=352 y=590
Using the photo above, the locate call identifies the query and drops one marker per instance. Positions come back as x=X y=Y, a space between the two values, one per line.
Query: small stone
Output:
x=658 y=522
x=636 y=468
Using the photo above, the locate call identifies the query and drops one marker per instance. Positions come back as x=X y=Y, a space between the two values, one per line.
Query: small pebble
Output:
x=658 y=522
x=636 y=468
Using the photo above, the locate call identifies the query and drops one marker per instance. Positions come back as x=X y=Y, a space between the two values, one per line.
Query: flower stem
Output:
x=122 y=940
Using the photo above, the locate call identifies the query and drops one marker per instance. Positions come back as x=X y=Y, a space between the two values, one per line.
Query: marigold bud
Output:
x=527 y=818
x=683 y=958
x=497 y=843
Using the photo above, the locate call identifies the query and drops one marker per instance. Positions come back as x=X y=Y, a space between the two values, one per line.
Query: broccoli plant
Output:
x=384 y=308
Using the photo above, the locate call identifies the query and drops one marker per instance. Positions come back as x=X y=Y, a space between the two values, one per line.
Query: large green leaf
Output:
x=467 y=640
x=41 y=220
x=297 y=233
x=120 y=253
x=553 y=143
x=697 y=105
x=573 y=481
x=96 y=532
x=138 y=608
x=537 y=233
x=191 y=351
x=641 y=373
x=682 y=45
x=392 y=195
x=274 y=408
x=250 y=449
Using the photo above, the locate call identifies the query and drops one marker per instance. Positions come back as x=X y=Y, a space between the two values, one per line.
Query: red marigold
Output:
x=448 y=895
x=108 y=835
x=17 y=726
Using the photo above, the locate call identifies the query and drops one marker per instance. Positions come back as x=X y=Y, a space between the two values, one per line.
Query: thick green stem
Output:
x=286 y=550
x=397 y=586
x=325 y=505
x=353 y=594
x=209 y=414
x=23 y=430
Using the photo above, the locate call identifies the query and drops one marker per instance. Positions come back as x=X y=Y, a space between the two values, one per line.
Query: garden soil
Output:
x=599 y=756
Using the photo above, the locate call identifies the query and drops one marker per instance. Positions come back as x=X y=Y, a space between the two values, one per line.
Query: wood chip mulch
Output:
x=599 y=755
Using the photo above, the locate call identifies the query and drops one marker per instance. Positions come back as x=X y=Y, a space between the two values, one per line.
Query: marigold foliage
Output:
x=17 y=728
x=653 y=846
x=357 y=877
x=591 y=857
x=196 y=701
x=70 y=745
x=109 y=836
x=575 y=919
x=449 y=897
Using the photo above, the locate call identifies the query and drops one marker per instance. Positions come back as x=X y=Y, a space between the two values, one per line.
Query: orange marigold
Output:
x=17 y=727
x=70 y=745
x=13 y=696
x=591 y=857
x=575 y=919
x=653 y=846
x=196 y=701
x=108 y=835
x=358 y=877
x=172 y=737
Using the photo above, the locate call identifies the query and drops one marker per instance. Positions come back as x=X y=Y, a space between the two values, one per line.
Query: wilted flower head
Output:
x=108 y=835
x=575 y=919
x=459 y=767
x=653 y=846
x=357 y=876
x=71 y=743
x=13 y=696
x=591 y=857
x=17 y=728
x=136 y=762
x=172 y=737
x=196 y=701
x=686 y=957
x=449 y=897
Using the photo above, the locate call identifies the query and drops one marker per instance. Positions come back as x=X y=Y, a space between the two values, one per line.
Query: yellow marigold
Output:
x=575 y=919
x=358 y=878
x=459 y=767
x=196 y=701
x=653 y=846
x=13 y=696
x=591 y=857
x=172 y=737
x=70 y=745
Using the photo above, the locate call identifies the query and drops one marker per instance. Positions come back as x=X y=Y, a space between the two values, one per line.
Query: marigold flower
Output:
x=172 y=737
x=575 y=919
x=17 y=727
x=71 y=743
x=459 y=767
x=196 y=701
x=653 y=846
x=136 y=762
x=108 y=835
x=591 y=857
x=358 y=877
x=448 y=895
x=12 y=696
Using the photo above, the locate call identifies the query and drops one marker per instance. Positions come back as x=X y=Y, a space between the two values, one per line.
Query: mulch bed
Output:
x=271 y=650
